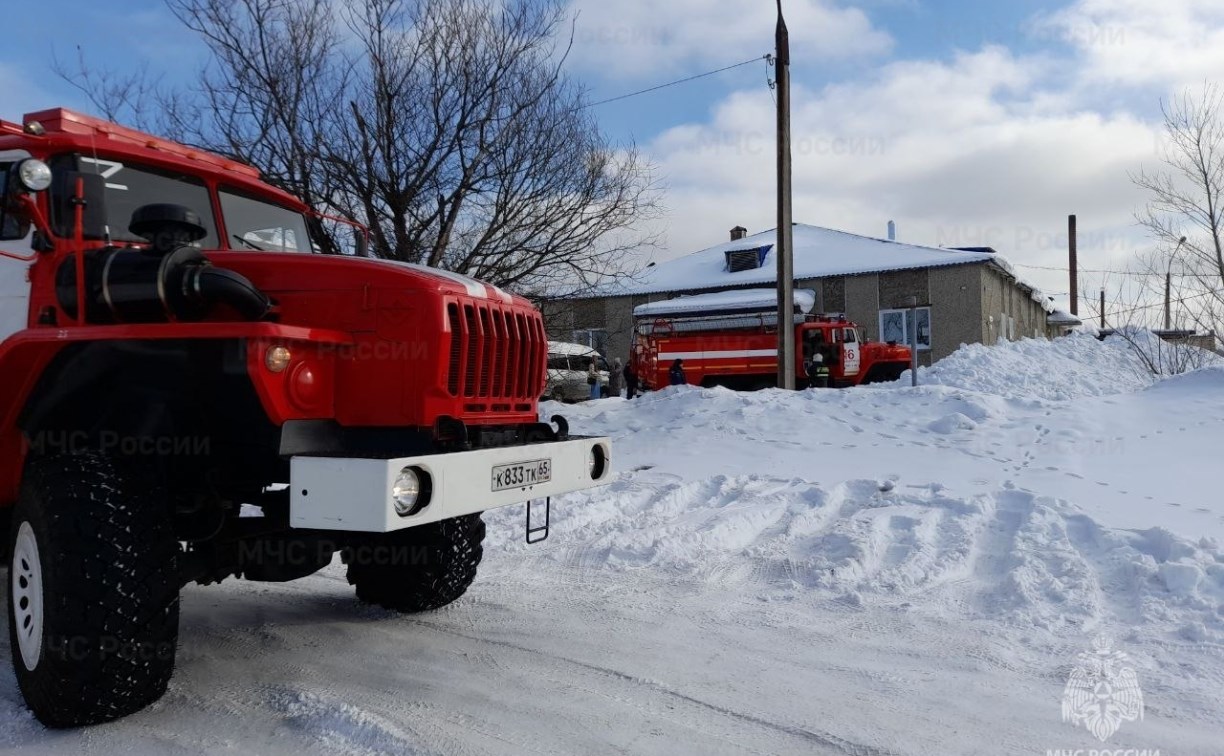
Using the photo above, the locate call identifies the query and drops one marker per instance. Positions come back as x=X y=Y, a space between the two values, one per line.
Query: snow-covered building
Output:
x=965 y=296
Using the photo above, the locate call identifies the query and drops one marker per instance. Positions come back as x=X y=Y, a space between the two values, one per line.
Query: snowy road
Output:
x=879 y=571
x=564 y=664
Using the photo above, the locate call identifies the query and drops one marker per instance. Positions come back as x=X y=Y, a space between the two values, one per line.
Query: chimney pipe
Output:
x=1073 y=265
x=892 y=231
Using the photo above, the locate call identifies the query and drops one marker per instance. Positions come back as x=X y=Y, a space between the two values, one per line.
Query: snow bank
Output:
x=1066 y=368
x=1010 y=555
x=1051 y=484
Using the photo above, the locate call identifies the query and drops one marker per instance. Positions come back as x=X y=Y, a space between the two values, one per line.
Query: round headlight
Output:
x=597 y=461
x=277 y=358
x=406 y=492
x=34 y=174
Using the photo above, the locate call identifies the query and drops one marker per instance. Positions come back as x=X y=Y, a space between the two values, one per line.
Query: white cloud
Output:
x=1168 y=43
x=632 y=39
x=961 y=153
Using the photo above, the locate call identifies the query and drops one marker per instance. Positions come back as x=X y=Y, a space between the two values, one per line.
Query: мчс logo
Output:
x=1102 y=691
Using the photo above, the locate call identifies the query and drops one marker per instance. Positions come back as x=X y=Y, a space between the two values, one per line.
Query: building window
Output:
x=895 y=326
x=595 y=338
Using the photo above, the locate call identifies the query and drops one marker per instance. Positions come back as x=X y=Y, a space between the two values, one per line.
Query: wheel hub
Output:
x=27 y=593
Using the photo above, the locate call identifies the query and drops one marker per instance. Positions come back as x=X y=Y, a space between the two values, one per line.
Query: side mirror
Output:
x=63 y=211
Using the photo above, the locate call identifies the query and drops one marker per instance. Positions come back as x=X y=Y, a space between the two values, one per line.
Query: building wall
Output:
x=611 y=314
x=863 y=303
x=956 y=308
x=896 y=287
x=1004 y=301
x=833 y=294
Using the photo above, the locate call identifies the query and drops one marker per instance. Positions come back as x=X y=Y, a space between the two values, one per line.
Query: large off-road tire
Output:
x=418 y=569
x=93 y=590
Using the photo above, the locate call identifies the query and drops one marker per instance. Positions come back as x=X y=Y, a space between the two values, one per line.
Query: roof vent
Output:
x=745 y=259
x=739 y=232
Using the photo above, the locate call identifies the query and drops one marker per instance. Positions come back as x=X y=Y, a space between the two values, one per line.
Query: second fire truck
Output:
x=731 y=339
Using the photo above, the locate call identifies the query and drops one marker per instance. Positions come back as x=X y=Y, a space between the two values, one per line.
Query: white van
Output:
x=567 y=372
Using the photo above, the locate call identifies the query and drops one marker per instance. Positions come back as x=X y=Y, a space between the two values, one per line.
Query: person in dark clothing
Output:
x=817 y=372
x=631 y=380
x=676 y=374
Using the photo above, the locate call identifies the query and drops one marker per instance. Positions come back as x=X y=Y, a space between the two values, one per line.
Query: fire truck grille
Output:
x=497 y=353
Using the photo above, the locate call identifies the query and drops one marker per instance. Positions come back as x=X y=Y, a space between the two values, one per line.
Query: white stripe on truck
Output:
x=722 y=355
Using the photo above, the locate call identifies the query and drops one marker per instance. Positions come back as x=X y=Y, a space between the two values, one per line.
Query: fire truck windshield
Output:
x=255 y=224
x=128 y=187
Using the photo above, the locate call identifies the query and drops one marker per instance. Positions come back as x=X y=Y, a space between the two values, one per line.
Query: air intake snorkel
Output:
x=170 y=279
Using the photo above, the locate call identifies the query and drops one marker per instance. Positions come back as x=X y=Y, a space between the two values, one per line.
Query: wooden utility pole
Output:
x=1169 y=286
x=785 y=242
x=912 y=304
x=1073 y=264
x=1168 y=291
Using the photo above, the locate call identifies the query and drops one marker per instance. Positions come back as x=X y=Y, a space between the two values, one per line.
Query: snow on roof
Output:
x=1063 y=318
x=754 y=300
x=570 y=350
x=819 y=252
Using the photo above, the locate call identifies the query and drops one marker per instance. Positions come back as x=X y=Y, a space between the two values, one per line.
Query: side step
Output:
x=533 y=534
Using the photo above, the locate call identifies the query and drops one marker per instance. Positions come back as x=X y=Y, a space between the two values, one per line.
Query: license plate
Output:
x=522 y=474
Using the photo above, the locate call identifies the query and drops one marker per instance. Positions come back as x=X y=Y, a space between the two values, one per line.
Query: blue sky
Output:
x=966 y=122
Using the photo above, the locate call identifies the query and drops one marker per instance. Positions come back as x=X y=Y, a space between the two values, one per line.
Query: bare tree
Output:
x=1131 y=313
x=1185 y=212
x=448 y=127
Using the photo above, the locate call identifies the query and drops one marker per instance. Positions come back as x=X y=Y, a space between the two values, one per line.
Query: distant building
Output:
x=964 y=295
x=1192 y=338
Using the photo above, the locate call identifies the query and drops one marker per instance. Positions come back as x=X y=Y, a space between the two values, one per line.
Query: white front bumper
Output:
x=335 y=493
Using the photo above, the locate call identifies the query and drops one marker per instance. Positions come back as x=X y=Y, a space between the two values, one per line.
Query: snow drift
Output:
x=1067 y=368
x=966 y=492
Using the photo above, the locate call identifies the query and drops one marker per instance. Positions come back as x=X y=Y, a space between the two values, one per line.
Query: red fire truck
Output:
x=731 y=339
x=189 y=393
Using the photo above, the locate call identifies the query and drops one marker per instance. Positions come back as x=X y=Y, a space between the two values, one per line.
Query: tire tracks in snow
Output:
x=833 y=743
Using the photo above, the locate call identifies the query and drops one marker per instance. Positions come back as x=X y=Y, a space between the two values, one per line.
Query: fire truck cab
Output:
x=189 y=393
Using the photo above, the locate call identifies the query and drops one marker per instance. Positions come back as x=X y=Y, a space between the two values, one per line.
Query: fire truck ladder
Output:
x=667 y=325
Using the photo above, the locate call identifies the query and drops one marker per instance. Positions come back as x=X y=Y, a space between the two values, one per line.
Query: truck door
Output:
x=850 y=352
x=14 y=287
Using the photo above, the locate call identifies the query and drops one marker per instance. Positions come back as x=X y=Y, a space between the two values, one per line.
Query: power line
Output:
x=1138 y=308
x=674 y=83
x=1100 y=270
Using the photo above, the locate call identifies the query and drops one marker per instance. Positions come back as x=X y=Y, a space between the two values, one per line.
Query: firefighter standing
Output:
x=818 y=372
